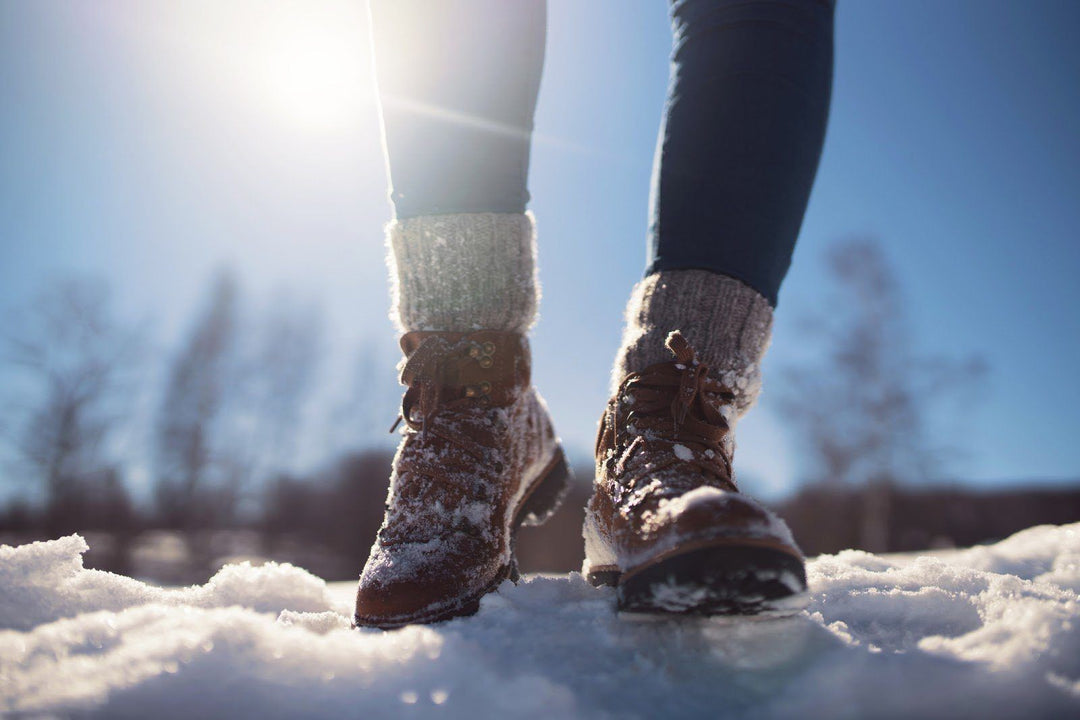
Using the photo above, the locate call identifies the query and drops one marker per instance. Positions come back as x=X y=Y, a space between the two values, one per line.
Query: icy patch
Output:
x=682 y=452
x=988 y=632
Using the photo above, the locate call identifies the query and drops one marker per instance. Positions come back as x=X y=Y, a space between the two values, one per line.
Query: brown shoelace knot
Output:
x=431 y=374
x=672 y=405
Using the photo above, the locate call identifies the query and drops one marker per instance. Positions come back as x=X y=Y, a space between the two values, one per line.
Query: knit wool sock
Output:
x=727 y=323
x=463 y=272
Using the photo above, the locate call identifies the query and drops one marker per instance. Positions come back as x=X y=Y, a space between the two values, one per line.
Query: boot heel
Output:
x=547 y=492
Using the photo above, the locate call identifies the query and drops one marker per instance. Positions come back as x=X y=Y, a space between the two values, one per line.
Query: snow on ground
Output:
x=991 y=631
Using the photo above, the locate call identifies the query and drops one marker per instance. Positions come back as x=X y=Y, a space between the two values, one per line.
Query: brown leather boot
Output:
x=478 y=458
x=666 y=524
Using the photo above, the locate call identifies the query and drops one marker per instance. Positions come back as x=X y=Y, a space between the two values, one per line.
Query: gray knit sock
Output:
x=463 y=272
x=726 y=322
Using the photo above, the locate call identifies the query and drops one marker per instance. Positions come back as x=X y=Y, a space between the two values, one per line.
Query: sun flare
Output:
x=310 y=67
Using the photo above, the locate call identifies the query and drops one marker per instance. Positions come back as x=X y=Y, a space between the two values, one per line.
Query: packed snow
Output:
x=992 y=631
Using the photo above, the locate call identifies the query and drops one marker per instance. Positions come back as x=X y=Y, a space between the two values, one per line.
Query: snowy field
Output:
x=992 y=631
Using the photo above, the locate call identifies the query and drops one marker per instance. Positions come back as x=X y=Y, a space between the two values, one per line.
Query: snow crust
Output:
x=773 y=525
x=992 y=631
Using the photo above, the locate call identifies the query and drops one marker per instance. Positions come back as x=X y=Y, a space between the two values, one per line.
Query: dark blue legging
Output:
x=739 y=145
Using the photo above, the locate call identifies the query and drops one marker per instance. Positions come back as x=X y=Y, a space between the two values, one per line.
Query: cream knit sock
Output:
x=463 y=272
x=726 y=322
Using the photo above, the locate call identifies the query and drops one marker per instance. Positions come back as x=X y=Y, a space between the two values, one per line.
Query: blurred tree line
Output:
x=228 y=412
x=861 y=404
x=219 y=436
x=214 y=439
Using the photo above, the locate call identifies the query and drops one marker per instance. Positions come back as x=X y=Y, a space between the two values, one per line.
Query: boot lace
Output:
x=425 y=467
x=671 y=406
x=425 y=373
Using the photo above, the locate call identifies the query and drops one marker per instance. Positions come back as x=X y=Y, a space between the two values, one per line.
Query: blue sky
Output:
x=150 y=142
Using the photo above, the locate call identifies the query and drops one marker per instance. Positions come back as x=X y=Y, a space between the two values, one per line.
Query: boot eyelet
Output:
x=485 y=387
x=489 y=348
x=486 y=362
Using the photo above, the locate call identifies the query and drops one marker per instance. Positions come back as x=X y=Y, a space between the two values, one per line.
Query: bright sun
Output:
x=310 y=66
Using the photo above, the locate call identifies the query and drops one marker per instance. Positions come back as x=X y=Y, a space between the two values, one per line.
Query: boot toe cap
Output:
x=394 y=592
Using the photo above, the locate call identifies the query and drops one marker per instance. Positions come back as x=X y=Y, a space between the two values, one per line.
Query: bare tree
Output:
x=198 y=382
x=279 y=367
x=232 y=407
x=77 y=360
x=862 y=405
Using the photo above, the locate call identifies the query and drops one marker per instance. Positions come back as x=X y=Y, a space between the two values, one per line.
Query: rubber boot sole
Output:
x=725 y=579
x=538 y=504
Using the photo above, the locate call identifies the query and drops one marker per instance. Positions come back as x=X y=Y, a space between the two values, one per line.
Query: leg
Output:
x=737 y=154
x=741 y=137
x=458 y=81
x=736 y=158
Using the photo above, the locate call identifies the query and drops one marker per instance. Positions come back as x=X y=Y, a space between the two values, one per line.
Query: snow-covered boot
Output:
x=666 y=523
x=479 y=456
x=478 y=459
